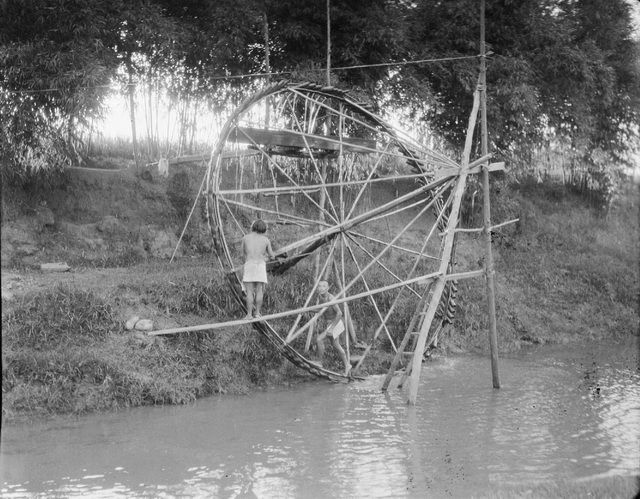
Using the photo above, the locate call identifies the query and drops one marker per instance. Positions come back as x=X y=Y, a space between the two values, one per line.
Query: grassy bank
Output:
x=564 y=273
x=66 y=350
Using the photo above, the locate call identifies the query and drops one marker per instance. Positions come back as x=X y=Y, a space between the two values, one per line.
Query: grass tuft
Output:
x=54 y=319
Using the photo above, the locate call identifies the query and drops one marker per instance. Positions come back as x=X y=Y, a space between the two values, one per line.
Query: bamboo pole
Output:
x=488 y=260
x=384 y=267
x=464 y=275
x=328 y=43
x=367 y=183
x=411 y=272
x=398 y=210
x=315 y=187
x=474 y=167
x=324 y=193
x=491 y=229
x=395 y=246
x=193 y=207
x=405 y=340
x=383 y=321
x=446 y=255
x=342 y=277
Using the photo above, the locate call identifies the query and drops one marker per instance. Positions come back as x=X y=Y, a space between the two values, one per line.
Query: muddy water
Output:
x=560 y=413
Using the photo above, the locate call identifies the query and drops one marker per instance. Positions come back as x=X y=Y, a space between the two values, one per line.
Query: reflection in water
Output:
x=559 y=414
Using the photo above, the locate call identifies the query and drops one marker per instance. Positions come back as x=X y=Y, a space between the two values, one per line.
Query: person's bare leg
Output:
x=259 y=295
x=249 y=299
x=320 y=346
x=352 y=333
x=343 y=356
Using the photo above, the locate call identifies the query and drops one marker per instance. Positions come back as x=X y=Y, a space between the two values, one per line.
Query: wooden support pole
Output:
x=476 y=167
x=328 y=74
x=316 y=188
x=492 y=228
x=405 y=341
x=488 y=260
x=446 y=256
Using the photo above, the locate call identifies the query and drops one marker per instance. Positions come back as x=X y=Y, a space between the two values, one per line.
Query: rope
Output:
x=273 y=73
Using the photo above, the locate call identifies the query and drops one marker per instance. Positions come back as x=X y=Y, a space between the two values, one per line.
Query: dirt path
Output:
x=101 y=281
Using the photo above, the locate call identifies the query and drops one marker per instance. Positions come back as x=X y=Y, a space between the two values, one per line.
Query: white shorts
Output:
x=337 y=330
x=255 y=272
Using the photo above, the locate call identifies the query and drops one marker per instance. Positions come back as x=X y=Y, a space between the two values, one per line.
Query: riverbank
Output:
x=564 y=273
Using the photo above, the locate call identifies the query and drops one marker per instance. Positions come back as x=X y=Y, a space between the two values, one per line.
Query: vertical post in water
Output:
x=488 y=258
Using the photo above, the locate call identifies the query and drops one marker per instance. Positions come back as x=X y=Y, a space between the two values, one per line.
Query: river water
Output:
x=560 y=413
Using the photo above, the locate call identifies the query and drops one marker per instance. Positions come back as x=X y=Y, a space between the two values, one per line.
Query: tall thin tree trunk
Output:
x=132 y=111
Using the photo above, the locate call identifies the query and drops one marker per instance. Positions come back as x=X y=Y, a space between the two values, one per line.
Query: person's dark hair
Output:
x=259 y=226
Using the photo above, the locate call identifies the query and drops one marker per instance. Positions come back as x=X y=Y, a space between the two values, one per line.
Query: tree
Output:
x=55 y=68
x=559 y=67
x=362 y=34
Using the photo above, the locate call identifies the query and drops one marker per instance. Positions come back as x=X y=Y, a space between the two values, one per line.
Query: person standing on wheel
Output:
x=333 y=317
x=256 y=249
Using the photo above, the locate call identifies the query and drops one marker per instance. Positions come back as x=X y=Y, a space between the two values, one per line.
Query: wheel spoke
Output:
x=366 y=183
x=371 y=297
x=286 y=216
x=283 y=172
x=394 y=246
x=377 y=261
x=316 y=187
x=400 y=209
x=321 y=177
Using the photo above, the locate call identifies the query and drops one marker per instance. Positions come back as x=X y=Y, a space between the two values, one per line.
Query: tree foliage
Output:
x=563 y=70
x=559 y=69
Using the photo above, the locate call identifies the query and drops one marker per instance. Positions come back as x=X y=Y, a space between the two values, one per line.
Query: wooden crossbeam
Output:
x=310 y=308
x=464 y=275
x=452 y=172
x=482 y=229
x=287 y=138
x=195 y=158
x=416 y=363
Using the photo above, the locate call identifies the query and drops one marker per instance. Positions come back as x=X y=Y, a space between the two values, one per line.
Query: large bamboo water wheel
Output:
x=346 y=198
